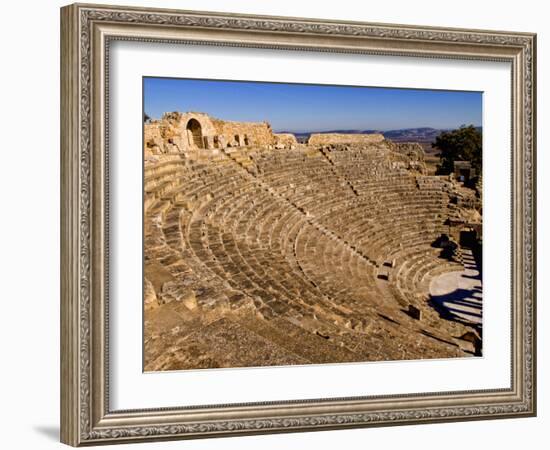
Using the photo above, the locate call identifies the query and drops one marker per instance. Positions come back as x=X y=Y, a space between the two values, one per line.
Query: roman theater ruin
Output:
x=259 y=250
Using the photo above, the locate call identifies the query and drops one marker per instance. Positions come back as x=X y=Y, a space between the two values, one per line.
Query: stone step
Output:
x=288 y=334
x=220 y=343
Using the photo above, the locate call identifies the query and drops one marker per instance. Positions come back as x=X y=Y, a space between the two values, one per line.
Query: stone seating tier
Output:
x=296 y=234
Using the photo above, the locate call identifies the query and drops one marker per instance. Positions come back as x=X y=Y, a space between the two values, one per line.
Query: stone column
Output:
x=190 y=143
x=208 y=142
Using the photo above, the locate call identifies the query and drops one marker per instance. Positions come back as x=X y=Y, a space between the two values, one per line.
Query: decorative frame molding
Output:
x=86 y=31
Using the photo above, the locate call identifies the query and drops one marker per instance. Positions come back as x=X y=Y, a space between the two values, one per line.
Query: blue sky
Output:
x=303 y=107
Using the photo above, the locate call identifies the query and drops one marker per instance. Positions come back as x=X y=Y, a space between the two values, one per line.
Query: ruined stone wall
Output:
x=186 y=141
x=410 y=149
x=245 y=133
x=214 y=133
x=285 y=140
x=410 y=154
x=337 y=138
x=164 y=137
x=178 y=133
x=152 y=139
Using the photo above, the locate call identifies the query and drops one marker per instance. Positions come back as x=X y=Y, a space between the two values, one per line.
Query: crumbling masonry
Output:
x=262 y=251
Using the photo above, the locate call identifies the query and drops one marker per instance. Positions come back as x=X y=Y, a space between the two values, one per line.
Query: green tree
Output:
x=462 y=144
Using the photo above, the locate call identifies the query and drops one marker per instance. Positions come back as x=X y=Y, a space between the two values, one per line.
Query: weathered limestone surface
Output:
x=256 y=133
x=287 y=140
x=411 y=150
x=408 y=155
x=257 y=255
x=336 y=138
x=192 y=131
x=154 y=142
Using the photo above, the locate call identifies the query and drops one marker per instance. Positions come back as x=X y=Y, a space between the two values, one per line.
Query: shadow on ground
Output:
x=458 y=306
x=49 y=431
x=463 y=304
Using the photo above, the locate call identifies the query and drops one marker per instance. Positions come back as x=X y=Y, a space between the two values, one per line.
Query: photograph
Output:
x=288 y=220
x=296 y=224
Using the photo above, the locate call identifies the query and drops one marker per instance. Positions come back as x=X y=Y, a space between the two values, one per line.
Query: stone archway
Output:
x=195 y=128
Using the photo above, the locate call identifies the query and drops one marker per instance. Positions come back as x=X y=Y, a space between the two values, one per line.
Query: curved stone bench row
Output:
x=261 y=238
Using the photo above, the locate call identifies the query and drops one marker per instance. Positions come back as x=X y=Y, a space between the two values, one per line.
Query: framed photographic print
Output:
x=281 y=224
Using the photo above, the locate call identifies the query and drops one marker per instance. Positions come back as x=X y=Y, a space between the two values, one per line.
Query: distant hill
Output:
x=424 y=134
x=421 y=134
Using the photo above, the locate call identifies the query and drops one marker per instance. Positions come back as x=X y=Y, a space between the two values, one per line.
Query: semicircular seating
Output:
x=294 y=240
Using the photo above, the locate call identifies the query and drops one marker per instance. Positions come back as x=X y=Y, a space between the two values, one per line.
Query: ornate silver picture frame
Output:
x=87 y=34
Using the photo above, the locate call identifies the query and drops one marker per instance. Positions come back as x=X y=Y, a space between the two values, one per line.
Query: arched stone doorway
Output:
x=196 y=132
